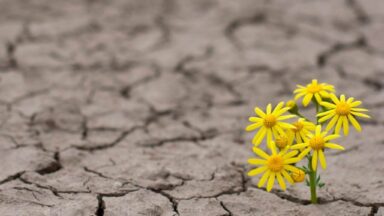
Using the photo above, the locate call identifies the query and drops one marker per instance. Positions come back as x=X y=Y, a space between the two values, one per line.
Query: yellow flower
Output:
x=320 y=91
x=342 y=112
x=284 y=140
x=302 y=128
x=317 y=142
x=274 y=166
x=298 y=176
x=270 y=123
x=290 y=104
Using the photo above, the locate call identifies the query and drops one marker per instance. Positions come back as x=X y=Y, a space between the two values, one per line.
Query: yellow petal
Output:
x=332 y=123
x=263 y=179
x=259 y=112
x=256 y=161
x=333 y=146
x=323 y=163
x=299 y=146
x=286 y=125
x=354 y=123
x=278 y=107
x=254 y=126
x=334 y=98
x=350 y=100
x=280 y=130
x=318 y=98
x=290 y=154
x=324 y=94
x=269 y=137
x=325 y=118
x=331 y=137
x=298 y=138
x=304 y=153
x=345 y=125
x=292 y=160
x=285 y=117
x=307 y=99
x=342 y=98
x=360 y=115
x=324 y=113
x=314 y=160
x=328 y=105
x=259 y=136
x=299 y=95
x=359 y=110
x=281 y=181
x=271 y=181
x=269 y=109
x=291 y=168
x=338 y=125
x=275 y=133
x=355 y=104
x=287 y=176
x=255 y=119
x=282 y=111
x=318 y=130
x=260 y=153
x=257 y=171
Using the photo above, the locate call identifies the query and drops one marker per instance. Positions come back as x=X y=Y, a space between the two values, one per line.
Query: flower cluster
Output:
x=291 y=137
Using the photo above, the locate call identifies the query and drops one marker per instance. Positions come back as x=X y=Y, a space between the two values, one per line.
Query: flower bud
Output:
x=298 y=176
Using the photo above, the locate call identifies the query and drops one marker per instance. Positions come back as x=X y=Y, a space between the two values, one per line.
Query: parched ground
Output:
x=125 y=108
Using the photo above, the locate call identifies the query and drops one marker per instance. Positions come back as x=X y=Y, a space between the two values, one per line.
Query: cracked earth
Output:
x=123 y=107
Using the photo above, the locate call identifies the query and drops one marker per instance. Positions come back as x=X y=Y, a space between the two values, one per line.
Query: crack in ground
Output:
x=181 y=65
x=53 y=167
x=361 y=16
x=213 y=79
x=54 y=191
x=100 y=206
x=12 y=177
x=108 y=145
x=225 y=208
x=165 y=33
x=230 y=29
x=126 y=91
x=322 y=58
x=160 y=142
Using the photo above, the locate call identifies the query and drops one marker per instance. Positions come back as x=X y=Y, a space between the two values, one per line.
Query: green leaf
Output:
x=321 y=184
x=305 y=169
x=307 y=182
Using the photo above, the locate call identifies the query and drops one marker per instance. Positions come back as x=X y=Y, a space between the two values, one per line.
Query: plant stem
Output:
x=312 y=182
x=312 y=173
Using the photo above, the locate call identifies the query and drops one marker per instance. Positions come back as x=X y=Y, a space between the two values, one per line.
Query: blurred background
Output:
x=142 y=101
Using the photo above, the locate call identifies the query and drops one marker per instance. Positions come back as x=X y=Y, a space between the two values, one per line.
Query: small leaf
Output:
x=307 y=182
x=318 y=179
x=321 y=184
x=305 y=169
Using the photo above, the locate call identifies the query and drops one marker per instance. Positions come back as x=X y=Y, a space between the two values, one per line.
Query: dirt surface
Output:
x=125 y=108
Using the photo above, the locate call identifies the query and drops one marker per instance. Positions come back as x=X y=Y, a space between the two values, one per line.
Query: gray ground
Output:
x=139 y=107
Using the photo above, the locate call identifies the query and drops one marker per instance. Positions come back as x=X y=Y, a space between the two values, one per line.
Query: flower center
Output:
x=269 y=120
x=298 y=126
x=314 y=88
x=281 y=142
x=343 y=109
x=275 y=163
x=316 y=142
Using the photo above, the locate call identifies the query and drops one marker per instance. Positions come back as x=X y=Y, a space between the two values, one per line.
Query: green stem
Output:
x=312 y=182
